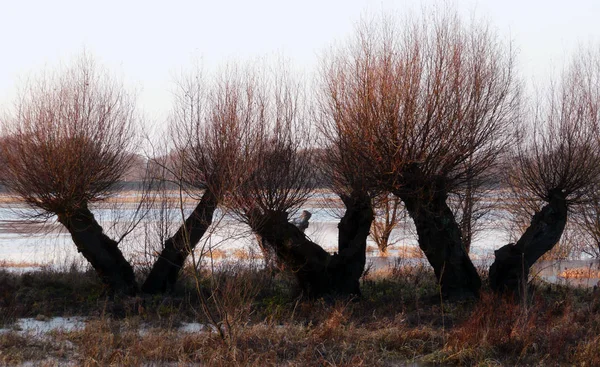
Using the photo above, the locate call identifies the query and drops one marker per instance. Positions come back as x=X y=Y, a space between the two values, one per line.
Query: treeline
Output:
x=430 y=112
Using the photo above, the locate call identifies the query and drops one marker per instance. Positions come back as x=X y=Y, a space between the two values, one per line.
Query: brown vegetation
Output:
x=399 y=320
x=557 y=165
x=68 y=144
x=422 y=111
x=585 y=272
x=413 y=119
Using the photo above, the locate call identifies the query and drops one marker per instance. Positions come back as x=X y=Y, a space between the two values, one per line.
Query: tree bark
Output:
x=347 y=266
x=102 y=252
x=510 y=271
x=304 y=258
x=439 y=235
x=319 y=273
x=167 y=266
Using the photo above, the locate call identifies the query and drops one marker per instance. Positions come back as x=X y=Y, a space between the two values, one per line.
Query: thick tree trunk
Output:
x=102 y=252
x=167 y=266
x=439 y=236
x=305 y=259
x=318 y=272
x=347 y=266
x=510 y=270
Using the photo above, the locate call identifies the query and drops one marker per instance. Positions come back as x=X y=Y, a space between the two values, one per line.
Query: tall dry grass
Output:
x=398 y=319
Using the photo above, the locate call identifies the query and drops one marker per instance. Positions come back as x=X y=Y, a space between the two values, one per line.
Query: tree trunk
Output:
x=319 y=273
x=102 y=252
x=510 y=270
x=347 y=266
x=165 y=270
x=304 y=258
x=439 y=235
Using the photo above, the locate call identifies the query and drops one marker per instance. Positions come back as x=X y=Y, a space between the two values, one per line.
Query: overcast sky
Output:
x=149 y=42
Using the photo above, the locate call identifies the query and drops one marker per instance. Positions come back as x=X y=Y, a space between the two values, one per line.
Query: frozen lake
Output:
x=46 y=242
x=31 y=243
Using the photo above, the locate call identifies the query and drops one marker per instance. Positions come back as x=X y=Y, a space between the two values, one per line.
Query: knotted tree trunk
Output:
x=102 y=252
x=347 y=266
x=167 y=266
x=318 y=272
x=510 y=270
x=439 y=235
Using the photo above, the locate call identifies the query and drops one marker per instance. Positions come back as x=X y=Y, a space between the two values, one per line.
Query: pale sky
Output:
x=149 y=42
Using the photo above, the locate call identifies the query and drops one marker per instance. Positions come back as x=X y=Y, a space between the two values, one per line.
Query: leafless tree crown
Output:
x=434 y=93
x=277 y=164
x=69 y=138
x=558 y=148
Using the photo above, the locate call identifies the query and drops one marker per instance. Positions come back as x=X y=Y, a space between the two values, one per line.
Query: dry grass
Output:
x=580 y=273
x=10 y=199
x=19 y=264
x=372 y=249
x=403 y=252
x=246 y=254
x=216 y=254
x=410 y=252
x=556 y=328
x=335 y=343
x=16 y=349
x=398 y=319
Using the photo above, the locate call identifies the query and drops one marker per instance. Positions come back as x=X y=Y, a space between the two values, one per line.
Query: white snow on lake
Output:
x=30 y=242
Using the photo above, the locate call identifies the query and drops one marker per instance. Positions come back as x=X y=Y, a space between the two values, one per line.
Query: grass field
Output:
x=254 y=317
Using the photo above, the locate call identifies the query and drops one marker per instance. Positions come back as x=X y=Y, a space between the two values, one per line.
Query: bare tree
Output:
x=557 y=165
x=276 y=176
x=277 y=179
x=71 y=135
x=345 y=173
x=473 y=203
x=389 y=212
x=587 y=224
x=427 y=109
x=346 y=177
x=210 y=130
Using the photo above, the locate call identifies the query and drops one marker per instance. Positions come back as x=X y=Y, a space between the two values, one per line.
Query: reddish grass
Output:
x=398 y=319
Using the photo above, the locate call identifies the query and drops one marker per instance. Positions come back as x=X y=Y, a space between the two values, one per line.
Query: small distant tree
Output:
x=69 y=143
x=473 y=203
x=389 y=212
x=587 y=224
x=557 y=165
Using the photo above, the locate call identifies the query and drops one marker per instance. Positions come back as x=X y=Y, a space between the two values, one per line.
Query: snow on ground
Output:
x=42 y=325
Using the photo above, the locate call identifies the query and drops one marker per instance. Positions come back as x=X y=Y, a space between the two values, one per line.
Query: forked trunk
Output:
x=510 y=270
x=319 y=273
x=102 y=252
x=167 y=266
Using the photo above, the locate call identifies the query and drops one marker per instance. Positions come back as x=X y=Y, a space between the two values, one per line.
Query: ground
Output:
x=399 y=320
